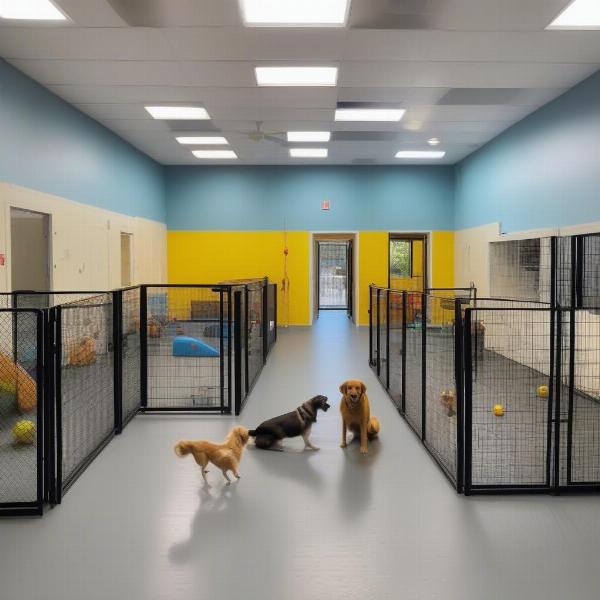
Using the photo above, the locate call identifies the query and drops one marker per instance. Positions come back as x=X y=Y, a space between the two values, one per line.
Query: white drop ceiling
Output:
x=464 y=70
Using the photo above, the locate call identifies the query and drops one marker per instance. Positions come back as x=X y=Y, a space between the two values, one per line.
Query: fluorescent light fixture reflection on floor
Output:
x=30 y=10
x=294 y=13
x=296 y=76
x=580 y=14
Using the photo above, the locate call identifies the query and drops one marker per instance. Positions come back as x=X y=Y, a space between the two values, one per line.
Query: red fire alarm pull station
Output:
x=325 y=205
x=2 y=260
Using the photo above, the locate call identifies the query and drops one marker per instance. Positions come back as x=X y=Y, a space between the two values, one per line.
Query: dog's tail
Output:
x=374 y=427
x=252 y=432
x=183 y=447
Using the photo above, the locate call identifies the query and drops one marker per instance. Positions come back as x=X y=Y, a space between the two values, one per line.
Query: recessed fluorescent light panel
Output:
x=308 y=152
x=178 y=113
x=202 y=140
x=295 y=13
x=580 y=14
x=214 y=154
x=369 y=114
x=30 y=10
x=433 y=141
x=308 y=136
x=420 y=154
x=296 y=76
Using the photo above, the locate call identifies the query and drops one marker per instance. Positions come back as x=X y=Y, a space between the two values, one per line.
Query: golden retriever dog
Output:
x=356 y=414
x=225 y=456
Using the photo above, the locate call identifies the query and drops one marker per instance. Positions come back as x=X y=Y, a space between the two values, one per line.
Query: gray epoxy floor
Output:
x=330 y=524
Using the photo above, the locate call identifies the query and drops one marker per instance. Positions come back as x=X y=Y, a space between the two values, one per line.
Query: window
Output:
x=400 y=258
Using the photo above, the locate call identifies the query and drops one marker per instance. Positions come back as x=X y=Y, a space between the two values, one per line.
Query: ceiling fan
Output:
x=258 y=135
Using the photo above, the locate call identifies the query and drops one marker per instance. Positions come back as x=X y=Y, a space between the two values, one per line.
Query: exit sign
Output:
x=325 y=205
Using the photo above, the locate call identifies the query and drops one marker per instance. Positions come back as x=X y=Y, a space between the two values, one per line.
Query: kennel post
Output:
x=237 y=350
x=378 y=343
x=49 y=404
x=424 y=298
x=143 y=346
x=387 y=340
x=118 y=358
x=229 y=347
x=265 y=318
x=460 y=392
x=468 y=404
x=403 y=358
x=221 y=351
x=371 y=325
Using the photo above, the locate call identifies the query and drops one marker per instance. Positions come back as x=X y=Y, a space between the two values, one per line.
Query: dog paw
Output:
x=228 y=483
x=364 y=451
x=343 y=445
x=238 y=476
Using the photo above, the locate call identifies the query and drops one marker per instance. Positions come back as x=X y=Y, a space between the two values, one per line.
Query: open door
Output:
x=333 y=275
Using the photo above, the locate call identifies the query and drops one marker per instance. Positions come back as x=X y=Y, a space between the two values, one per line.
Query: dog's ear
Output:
x=344 y=388
x=363 y=387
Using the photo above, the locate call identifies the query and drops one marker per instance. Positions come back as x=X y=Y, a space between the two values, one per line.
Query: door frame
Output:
x=421 y=236
x=313 y=269
x=8 y=253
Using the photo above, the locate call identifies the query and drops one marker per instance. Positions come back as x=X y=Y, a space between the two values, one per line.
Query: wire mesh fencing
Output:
x=441 y=410
x=186 y=339
x=271 y=315
x=413 y=363
x=76 y=369
x=395 y=320
x=85 y=391
x=254 y=333
x=131 y=354
x=21 y=414
x=504 y=394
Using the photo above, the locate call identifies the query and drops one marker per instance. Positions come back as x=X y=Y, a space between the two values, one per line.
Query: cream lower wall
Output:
x=85 y=242
x=524 y=337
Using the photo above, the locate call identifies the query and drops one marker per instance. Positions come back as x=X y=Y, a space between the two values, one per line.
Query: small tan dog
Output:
x=356 y=414
x=225 y=456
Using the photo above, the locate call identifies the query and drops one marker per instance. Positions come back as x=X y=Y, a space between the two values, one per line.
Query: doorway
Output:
x=29 y=250
x=407 y=262
x=126 y=264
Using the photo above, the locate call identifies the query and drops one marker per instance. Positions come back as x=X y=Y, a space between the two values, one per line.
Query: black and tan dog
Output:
x=269 y=434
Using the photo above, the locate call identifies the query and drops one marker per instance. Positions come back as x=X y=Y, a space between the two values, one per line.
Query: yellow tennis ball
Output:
x=498 y=410
x=24 y=431
x=543 y=391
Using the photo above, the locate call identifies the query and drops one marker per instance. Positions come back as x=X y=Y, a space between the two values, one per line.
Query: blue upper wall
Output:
x=365 y=198
x=48 y=145
x=542 y=172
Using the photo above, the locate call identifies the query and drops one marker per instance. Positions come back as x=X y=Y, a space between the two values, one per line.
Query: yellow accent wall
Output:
x=372 y=267
x=213 y=256
x=442 y=259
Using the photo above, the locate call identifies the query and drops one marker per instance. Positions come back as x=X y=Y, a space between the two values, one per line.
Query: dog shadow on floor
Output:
x=296 y=465
x=356 y=483
x=217 y=508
